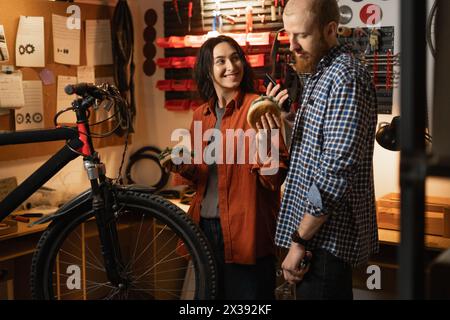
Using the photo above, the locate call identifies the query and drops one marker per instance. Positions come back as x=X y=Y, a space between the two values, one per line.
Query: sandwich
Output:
x=260 y=107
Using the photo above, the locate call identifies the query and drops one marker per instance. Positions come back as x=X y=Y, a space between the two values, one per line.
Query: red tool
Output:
x=375 y=68
x=175 y=6
x=21 y=219
x=388 y=70
x=189 y=15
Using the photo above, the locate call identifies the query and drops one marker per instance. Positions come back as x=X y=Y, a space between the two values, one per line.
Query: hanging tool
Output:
x=177 y=11
x=249 y=19
x=190 y=5
x=374 y=40
x=229 y=18
x=278 y=5
x=218 y=17
x=202 y=8
x=214 y=21
x=263 y=4
x=262 y=17
x=273 y=12
x=389 y=70
x=375 y=69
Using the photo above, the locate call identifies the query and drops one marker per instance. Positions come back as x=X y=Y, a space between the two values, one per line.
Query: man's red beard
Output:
x=309 y=62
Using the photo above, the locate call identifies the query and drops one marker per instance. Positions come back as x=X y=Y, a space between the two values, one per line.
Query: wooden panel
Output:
x=437 y=215
x=9 y=17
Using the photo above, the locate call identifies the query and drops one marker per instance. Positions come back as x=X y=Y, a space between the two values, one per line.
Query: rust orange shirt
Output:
x=248 y=201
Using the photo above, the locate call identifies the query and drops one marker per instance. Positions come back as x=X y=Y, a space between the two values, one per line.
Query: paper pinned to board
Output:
x=86 y=74
x=66 y=42
x=64 y=100
x=98 y=42
x=4 y=54
x=31 y=116
x=11 y=90
x=30 y=49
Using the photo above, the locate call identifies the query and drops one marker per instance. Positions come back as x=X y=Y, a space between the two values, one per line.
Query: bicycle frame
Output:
x=79 y=142
x=47 y=170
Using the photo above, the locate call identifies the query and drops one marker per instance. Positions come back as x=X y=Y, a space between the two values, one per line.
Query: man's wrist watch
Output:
x=295 y=237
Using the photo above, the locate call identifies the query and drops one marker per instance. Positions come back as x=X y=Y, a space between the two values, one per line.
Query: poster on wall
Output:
x=4 y=55
x=31 y=116
x=11 y=90
x=30 y=50
x=98 y=42
x=66 y=42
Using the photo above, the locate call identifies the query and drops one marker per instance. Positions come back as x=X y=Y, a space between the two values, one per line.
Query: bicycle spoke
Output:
x=137 y=239
x=159 y=262
x=92 y=266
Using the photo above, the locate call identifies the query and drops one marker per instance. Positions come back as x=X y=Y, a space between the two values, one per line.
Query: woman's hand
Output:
x=267 y=123
x=167 y=157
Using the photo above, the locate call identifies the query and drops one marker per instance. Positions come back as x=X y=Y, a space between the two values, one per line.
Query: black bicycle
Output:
x=112 y=241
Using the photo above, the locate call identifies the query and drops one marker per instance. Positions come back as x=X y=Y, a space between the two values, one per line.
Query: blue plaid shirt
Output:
x=331 y=171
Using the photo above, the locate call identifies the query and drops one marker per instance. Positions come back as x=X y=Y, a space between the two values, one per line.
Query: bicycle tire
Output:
x=47 y=276
x=164 y=178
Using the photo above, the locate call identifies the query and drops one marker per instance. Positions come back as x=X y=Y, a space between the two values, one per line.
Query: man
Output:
x=328 y=208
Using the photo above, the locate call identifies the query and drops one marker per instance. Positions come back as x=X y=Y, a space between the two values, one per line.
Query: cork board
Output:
x=9 y=17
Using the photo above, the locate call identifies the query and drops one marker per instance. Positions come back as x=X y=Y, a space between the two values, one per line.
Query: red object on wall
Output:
x=258 y=39
x=256 y=60
x=183 y=62
x=164 y=85
x=371 y=14
x=164 y=63
x=194 y=41
x=163 y=42
x=180 y=85
x=177 y=105
x=176 y=42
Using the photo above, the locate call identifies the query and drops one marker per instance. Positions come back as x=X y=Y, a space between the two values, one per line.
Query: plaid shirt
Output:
x=331 y=171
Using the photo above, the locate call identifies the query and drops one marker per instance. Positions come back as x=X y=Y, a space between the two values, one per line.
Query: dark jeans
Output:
x=238 y=281
x=328 y=278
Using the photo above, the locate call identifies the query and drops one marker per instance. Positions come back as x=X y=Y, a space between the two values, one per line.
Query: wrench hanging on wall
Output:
x=190 y=5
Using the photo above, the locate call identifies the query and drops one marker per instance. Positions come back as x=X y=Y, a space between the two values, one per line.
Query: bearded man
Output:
x=328 y=210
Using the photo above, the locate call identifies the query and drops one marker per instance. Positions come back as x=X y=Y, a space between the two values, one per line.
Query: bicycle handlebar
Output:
x=86 y=89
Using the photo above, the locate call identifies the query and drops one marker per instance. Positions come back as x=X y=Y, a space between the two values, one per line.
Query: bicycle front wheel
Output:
x=164 y=255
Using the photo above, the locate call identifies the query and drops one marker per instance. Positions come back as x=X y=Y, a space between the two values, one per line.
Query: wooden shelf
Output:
x=431 y=242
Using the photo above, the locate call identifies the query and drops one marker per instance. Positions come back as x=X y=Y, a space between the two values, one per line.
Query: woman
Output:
x=235 y=204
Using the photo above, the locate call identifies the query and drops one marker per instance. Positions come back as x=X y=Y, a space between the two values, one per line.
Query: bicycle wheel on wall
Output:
x=164 y=253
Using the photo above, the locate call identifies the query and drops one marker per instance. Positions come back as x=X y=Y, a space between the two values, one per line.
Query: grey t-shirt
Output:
x=210 y=202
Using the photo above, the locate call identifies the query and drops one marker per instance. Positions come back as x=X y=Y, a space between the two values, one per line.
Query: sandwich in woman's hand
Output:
x=260 y=107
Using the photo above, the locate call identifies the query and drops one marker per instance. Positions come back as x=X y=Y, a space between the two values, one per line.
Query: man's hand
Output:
x=291 y=266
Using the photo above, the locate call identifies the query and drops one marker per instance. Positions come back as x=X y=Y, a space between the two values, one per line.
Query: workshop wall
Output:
x=155 y=124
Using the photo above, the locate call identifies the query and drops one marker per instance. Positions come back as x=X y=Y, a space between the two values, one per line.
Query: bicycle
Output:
x=112 y=241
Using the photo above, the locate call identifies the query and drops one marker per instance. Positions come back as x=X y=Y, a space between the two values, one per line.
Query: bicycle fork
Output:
x=102 y=204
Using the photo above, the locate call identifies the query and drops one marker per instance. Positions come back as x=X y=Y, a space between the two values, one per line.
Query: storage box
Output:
x=437 y=214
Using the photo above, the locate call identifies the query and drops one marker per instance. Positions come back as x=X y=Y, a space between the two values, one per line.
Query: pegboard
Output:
x=202 y=22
